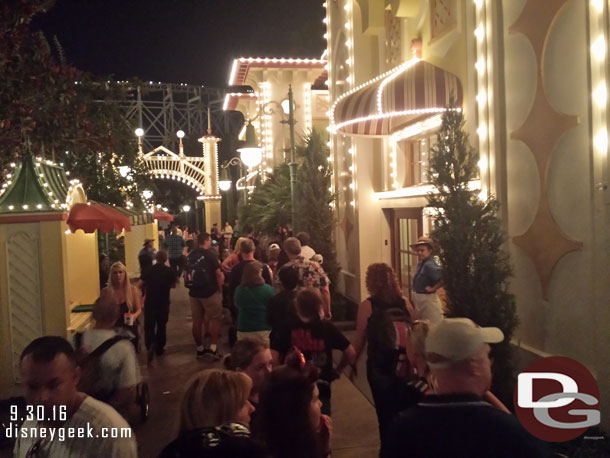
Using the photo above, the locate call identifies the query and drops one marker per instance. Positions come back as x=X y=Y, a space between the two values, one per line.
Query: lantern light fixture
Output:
x=251 y=154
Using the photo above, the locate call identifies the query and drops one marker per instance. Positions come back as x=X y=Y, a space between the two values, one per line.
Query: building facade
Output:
x=530 y=77
x=263 y=98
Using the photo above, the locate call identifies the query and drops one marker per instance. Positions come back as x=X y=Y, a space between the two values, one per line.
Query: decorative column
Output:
x=212 y=196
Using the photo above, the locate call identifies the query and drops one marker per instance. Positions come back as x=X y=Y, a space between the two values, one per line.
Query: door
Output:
x=407 y=227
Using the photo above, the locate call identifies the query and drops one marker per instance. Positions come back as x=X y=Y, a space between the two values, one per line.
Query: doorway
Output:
x=406 y=228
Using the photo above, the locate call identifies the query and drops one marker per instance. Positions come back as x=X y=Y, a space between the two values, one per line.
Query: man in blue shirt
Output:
x=426 y=282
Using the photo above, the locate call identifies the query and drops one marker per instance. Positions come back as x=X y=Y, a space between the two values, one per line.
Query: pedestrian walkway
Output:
x=355 y=423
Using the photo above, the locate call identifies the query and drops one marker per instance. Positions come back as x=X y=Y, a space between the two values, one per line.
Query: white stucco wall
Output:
x=574 y=320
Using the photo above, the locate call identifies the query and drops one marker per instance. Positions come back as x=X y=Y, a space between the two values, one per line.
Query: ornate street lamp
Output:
x=251 y=154
x=225 y=182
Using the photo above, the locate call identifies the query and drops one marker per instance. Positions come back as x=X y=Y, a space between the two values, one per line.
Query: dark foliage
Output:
x=51 y=109
x=269 y=206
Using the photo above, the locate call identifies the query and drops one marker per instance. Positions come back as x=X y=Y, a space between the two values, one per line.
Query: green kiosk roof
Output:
x=35 y=185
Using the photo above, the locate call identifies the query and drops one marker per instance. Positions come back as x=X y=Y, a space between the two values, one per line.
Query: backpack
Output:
x=197 y=271
x=387 y=332
x=91 y=381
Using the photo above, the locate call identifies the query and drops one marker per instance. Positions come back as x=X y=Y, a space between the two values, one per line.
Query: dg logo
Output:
x=557 y=399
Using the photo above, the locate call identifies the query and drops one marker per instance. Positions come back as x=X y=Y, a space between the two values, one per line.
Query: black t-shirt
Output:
x=159 y=279
x=280 y=310
x=238 y=270
x=316 y=340
x=459 y=425
x=213 y=265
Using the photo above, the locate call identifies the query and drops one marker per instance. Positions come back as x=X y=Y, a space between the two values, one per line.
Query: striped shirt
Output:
x=92 y=420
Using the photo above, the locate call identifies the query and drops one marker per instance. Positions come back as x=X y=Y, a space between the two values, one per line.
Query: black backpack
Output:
x=90 y=363
x=197 y=271
x=387 y=333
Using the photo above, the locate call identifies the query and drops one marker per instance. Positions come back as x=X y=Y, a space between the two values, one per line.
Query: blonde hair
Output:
x=237 y=248
x=213 y=397
x=126 y=287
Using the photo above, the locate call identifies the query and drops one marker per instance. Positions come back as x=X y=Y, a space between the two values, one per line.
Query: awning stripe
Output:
x=394 y=100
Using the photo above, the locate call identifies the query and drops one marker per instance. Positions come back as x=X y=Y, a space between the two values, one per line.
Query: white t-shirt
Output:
x=307 y=252
x=119 y=364
x=94 y=419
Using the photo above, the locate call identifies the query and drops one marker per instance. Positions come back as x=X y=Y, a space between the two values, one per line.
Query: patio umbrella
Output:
x=162 y=216
x=92 y=216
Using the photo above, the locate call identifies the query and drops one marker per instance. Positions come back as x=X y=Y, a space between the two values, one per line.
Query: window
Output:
x=413 y=159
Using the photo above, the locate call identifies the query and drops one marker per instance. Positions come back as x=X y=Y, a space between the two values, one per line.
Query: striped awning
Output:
x=408 y=93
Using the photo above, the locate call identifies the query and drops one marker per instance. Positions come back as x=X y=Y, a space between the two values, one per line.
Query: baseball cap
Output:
x=457 y=339
x=274 y=246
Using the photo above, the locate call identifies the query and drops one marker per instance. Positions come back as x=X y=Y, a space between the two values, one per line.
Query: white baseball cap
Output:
x=457 y=339
x=274 y=246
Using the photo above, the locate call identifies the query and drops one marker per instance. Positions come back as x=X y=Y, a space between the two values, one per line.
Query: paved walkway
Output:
x=355 y=423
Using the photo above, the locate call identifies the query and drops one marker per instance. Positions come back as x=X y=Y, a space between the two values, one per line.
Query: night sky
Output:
x=182 y=41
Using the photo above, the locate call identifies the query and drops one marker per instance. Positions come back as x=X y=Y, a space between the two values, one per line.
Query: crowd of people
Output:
x=430 y=376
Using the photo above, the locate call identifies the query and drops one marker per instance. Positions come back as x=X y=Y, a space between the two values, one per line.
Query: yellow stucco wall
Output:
x=81 y=267
x=68 y=273
x=53 y=285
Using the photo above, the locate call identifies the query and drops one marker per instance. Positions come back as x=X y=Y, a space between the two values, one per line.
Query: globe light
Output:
x=139 y=132
x=224 y=185
x=286 y=106
x=251 y=154
x=180 y=134
x=252 y=157
x=186 y=208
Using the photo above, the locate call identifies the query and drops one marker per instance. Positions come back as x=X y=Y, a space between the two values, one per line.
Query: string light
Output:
x=308 y=114
x=421 y=111
x=601 y=141
x=601 y=94
x=479 y=32
x=598 y=71
x=265 y=61
x=480 y=66
x=598 y=48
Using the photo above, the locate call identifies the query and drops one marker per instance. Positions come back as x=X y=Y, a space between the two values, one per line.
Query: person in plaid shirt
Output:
x=311 y=274
x=175 y=246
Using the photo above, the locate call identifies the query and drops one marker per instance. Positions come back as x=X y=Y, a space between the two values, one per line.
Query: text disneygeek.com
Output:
x=61 y=434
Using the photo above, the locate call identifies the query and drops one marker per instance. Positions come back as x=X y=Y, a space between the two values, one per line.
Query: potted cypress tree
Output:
x=471 y=240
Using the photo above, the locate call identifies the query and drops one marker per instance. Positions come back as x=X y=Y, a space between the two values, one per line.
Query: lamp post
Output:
x=292 y=164
x=225 y=183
